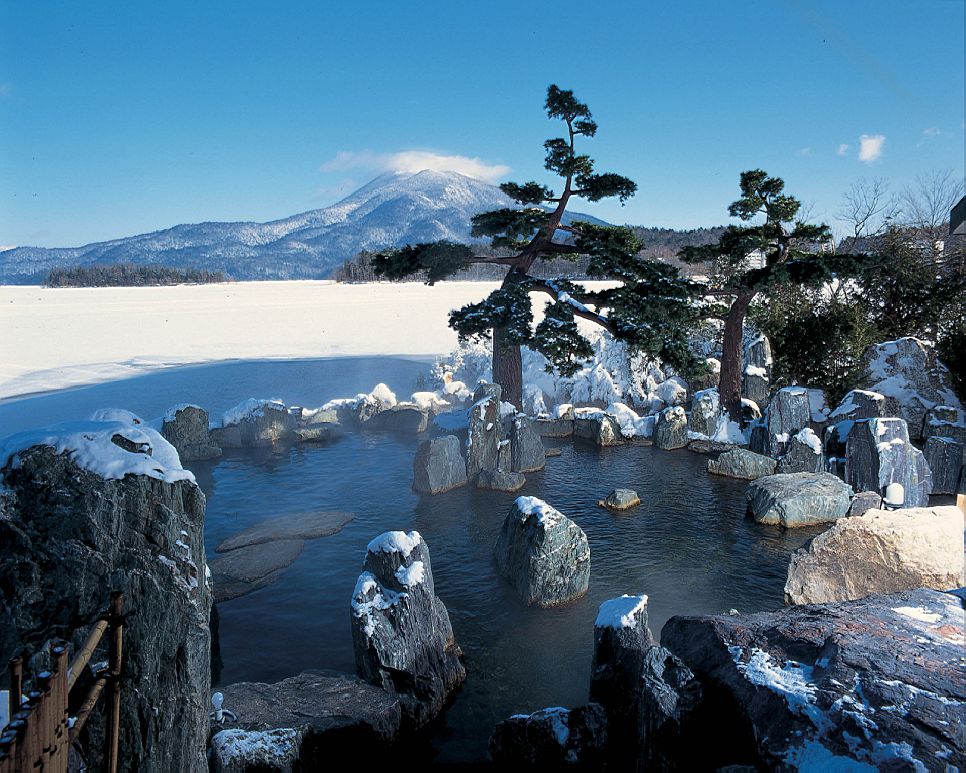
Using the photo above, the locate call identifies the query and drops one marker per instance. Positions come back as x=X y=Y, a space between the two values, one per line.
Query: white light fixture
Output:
x=217 y=700
x=895 y=496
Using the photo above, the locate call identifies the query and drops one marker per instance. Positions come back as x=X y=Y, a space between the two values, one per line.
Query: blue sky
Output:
x=121 y=118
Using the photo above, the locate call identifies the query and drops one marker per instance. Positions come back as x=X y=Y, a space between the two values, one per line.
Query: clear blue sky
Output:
x=120 y=118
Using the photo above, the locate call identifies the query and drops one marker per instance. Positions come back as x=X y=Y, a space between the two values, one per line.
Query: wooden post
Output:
x=83 y=655
x=45 y=719
x=16 y=686
x=34 y=742
x=58 y=757
x=115 y=660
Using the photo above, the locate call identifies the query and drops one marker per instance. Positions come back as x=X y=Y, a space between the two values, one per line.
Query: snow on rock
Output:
x=631 y=424
x=111 y=449
x=117 y=414
x=395 y=542
x=429 y=402
x=728 y=431
x=554 y=738
x=809 y=438
x=235 y=749
x=621 y=612
x=250 y=408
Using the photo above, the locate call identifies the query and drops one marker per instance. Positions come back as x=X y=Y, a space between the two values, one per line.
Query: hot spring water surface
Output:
x=688 y=546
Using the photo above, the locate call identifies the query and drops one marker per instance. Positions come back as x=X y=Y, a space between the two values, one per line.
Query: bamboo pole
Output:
x=45 y=718
x=116 y=653
x=33 y=741
x=59 y=757
x=85 y=710
x=16 y=686
x=83 y=656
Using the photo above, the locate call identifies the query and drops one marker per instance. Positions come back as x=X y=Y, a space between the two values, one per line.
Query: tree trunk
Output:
x=729 y=384
x=508 y=369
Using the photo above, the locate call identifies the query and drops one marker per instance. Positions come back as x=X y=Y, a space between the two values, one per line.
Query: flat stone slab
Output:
x=742 y=463
x=249 y=568
x=798 y=499
x=620 y=499
x=300 y=526
x=551 y=452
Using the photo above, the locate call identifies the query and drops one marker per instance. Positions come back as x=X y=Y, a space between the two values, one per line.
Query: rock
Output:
x=864 y=501
x=297 y=526
x=302 y=722
x=878 y=681
x=543 y=554
x=401 y=632
x=251 y=568
x=705 y=411
x=742 y=463
x=186 y=428
x=438 y=465
x=710 y=447
x=551 y=739
x=788 y=413
x=319 y=432
x=755 y=385
x=621 y=639
x=485 y=430
x=265 y=424
x=709 y=379
x=669 y=697
x=750 y=411
x=803 y=454
x=945 y=459
x=598 y=426
x=620 y=499
x=911 y=377
x=404 y=419
x=671 y=428
x=878 y=452
x=498 y=480
x=798 y=499
x=225 y=437
x=526 y=448
x=551 y=452
x=546 y=427
x=320 y=416
x=856 y=405
x=70 y=537
x=880 y=551
x=944 y=421
x=758 y=353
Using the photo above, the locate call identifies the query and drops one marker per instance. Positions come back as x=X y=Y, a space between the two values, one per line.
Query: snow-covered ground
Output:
x=58 y=337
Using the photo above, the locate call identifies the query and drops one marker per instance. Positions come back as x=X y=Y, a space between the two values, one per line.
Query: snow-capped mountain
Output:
x=396 y=208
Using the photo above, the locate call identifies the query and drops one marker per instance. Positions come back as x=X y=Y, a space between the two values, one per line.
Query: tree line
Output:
x=129 y=275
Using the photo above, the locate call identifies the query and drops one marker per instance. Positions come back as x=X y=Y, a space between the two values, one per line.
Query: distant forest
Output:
x=130 y=275
x=660 y=244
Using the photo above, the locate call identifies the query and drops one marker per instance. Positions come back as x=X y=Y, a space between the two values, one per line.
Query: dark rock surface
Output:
x=944 y=421
x=553 y=427
x=543 y=554
x=226 y=437
x=705 y=410
x=599 y=427
x=526 y=448
x=498 y=480
x=295 y=526
x=270 y=424
x=485 y=430
x=250 y=568
x=878 y=452
x=800 y=454
x=326 y=714
x=710 y=446
x=187 y=430
x=666 y=714
x=755 y=386
x=404 y=419
x=788 y=413
x=945 y=459
x=319 y=432
x=438 y=465
x=864 y=501
x=877 y=680
x=798 y=499
x=69 y=539
x=620 y=499
x=742 y=463
x=551 y=739
x=401 y=632
x=671 y=428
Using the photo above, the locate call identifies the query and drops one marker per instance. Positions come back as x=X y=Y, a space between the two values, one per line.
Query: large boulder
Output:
x=878 y=452
x=856 y=405
x=944 y=421
x=945 y=459
x=620 y=499
x=302 y=723
x=742 y=463
x=861 y=685
x=705 y=410
x=498 y=480
x=438 y=465
x=262 y=422
x=880 y=551
x=756 y=381
x=81 y=516
x=401 y=633
x=669 y=698
x=186 y=428
x=803 y=454
x=543 y=553
x=401 y=418
x=911 y=377
x=671 y=428
x=798 y=499
x=600 y=427
x=545 y=426
x=551 y=739
x=485 y=431
x=788 y=413
x=526 y=449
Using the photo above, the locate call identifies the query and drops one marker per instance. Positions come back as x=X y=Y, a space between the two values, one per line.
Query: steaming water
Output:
x=688 y=546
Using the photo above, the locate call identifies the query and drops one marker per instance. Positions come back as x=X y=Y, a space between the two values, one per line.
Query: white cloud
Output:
x=870 y=147
x=414 y=161
x=932 y=131
x=843 y=149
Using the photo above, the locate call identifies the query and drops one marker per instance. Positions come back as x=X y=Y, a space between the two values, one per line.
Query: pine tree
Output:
x=649 y=308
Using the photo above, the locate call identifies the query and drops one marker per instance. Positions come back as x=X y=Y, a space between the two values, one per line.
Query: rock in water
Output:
x=70 y=537
x=186 y=428
x=247 y=569
x=438 y=465
x=401 y=633
x=311 y=525
x=621 y=499
x=705 y=411
x=404 y=419
x=798 y=499
x=671 y=428
x=878 y=681
x=803 y=454
x=485 y=430
x=945 y=459
x=741 y=463
x=880 y=551
x=878 y=452
x=526 y=448
x=598 y=426
x=547 y=427
x=551 y=739
x=543 y=554
x=302 y=722
x=262 y=422
x=498 y=480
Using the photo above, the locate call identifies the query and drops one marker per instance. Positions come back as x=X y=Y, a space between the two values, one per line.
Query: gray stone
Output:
x=709 y=379
x=551 y=739
x=756 y=387
x=800 y=454
x=788 y=413
x=705 y=411
x=742 y=463
x=543 y=554
x=303 y=723
x=552 y=452
x=225 y=437
x=250 y=568
x=187 y=430
x=945 y=459
x=864 y=501
x=856 y=405
x=401 y=632
x=878 y=681
x=798 y=499
x=620 y=499
x=545 y=427
x=297 y=526
x=404 y=419
x=485 y=430
x=599 y=427
x=498 y=480
x=669 y=697
x=69 y=539
x=758 y=353
x=878 y=452
x=526 y=449
x=671 y=428
x=438 y=465
x=710 y=447
x=319 y=432
x=880 y=551
x=267 y=426
x=944 y=421
x=750 y=411
x=321 y=416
